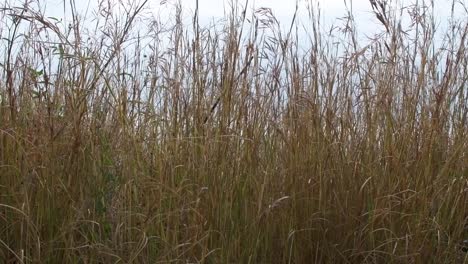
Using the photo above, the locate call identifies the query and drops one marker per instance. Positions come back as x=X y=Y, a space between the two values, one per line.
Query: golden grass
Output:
x=230 y=144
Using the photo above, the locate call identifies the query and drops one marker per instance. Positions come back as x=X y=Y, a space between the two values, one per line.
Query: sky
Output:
x=282 y=9
x=210 y=10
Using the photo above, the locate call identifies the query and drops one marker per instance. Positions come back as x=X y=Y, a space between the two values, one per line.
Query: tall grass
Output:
x=128 y=139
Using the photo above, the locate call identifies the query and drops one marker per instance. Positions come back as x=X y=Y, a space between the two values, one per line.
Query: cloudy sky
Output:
x=282 y=9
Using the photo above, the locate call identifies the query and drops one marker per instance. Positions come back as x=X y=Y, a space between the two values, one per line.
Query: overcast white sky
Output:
x=283 y=9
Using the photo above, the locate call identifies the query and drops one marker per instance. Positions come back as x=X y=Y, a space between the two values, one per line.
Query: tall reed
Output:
x=126 y=138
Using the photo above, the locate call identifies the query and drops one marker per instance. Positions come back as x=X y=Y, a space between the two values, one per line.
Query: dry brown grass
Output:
x=230 y=144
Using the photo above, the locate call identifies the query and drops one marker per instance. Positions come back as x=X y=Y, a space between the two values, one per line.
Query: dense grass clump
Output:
x=125 y=138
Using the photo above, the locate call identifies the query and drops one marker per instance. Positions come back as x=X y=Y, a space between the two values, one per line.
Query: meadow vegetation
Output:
x=129 y=139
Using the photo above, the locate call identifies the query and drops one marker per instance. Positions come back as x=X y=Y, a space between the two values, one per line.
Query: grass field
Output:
x=133 y=140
